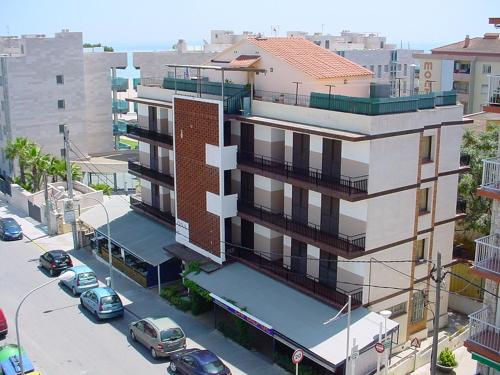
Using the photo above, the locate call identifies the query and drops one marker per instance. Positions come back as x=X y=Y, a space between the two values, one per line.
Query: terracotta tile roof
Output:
x=310 y=58
x=487 y=45
x=244 y=61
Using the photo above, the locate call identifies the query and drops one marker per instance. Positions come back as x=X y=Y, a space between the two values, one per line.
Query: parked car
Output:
x=10 y=229
x=162 y=336
x=3 y=325
x=83 y=279
x=55 y=261
x=197 y=362
x=103 y=302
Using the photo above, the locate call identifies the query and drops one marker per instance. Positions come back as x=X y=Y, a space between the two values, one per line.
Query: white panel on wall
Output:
x=357 y=210
x=144 y=147
x=358 y=151
x=145 y=184
x=213 y=156
x=316 y=143
x=142 y=110
x=314 y=198
x=288 y=190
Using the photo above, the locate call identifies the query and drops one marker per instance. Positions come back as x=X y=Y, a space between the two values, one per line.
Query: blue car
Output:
x=84 y=279
x=104 y=303
x=10 y=229
x=197 y=362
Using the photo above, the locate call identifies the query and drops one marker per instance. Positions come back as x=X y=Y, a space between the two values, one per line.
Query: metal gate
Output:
x=35 y=212
x=4 y=186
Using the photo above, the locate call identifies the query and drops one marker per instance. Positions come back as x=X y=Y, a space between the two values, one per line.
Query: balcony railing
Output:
x=494 y=90
x=483 y=333
x=149 y=134
x=342 y=242
x=461 y=205
x=491 y=174
x=487 y=256
x=153 y=211
x=119 y=84
x=313 y=176
x=120 y=127
x=309 y=284
x=142 y=171
x=120 y=106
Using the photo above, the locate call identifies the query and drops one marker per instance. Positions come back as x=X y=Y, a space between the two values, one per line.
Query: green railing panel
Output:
x=119 y=84
x=136 y=82
x=446 y=98
x=426 y=101
x=120 y=127
x=120 y=106
x=207 y=87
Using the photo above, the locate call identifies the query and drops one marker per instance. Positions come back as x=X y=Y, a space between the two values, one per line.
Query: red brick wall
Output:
x=196 y=123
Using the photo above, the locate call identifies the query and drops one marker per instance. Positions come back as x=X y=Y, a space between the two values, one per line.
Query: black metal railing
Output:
x=464 y=159
x=345 y=184
x=149 y=134
x=309 y=284
x=461 y=205
x=156 y=212
x=142 y=171
x=312 y=231
x=282 y=98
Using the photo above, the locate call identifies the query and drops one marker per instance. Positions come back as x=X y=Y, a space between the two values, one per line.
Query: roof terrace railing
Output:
x=494 y=90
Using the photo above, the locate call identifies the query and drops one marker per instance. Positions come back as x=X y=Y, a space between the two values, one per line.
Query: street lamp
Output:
x=348 y=306
x=110 y=257
x=64 y=276
x=386 y=314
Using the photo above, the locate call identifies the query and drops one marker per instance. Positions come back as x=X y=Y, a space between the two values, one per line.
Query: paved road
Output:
x=61 y=338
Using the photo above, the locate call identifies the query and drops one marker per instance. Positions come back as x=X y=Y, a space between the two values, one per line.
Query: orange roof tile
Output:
x=244 y=61
x=310 y=58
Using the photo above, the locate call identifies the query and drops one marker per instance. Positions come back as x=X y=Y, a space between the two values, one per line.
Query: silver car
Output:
x=84 y=279
x=162 y=336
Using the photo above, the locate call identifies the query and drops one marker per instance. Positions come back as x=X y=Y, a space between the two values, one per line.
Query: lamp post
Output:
x=348 y=306
x=386 y=314
x=296 y=91
x=64 y=276
x=110 y=257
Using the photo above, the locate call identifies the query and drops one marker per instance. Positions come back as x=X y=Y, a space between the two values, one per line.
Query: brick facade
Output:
x=196 y=124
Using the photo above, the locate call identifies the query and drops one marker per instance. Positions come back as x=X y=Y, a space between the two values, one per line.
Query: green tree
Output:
x=478 y=146
x=106 y=189
x=38 y=163
x=18 y=149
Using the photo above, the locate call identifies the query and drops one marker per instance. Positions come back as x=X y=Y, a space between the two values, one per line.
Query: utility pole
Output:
x=69 y=182
x=47 y=205
x=438 y=281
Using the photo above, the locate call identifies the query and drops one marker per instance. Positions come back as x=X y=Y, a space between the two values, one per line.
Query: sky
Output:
x=156 y=24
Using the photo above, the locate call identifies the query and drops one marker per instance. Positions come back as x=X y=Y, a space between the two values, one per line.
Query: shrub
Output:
x=200 y=305
x=182 y=303
x=447 y=358
x=170 y=291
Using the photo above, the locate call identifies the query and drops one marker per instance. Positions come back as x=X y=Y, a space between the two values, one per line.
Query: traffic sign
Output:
x=415 y=342
x=355 y=355
x=379 y=347
x=298 y=356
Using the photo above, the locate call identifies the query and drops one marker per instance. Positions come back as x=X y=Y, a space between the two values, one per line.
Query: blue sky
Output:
x=146 y=24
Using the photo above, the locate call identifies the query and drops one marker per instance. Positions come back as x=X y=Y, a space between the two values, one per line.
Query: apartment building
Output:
x=463 y=66
x=389 y=64
x=48 y=81
x=274 y=179
x=484 y=335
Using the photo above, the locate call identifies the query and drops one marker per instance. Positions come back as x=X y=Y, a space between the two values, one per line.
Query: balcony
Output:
x=362 y=106
x=120 y=127
x=120 y=106
x=145 y=135
x=344 y=187
x=305 y=283
x=340 y=244
x=153 y=212
x=493 y=104
x=484 y=337
x=152 y=175
x=490 y=185
x=487 y=259
x=119 y=84
x=136 y=82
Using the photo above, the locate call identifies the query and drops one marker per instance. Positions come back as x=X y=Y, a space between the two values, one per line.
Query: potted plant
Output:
x=446 y=361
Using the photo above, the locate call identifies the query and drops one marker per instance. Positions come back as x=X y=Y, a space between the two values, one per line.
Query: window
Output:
x=418 y=305
x=61 y=104
x=405 y=69
x=379 y=71
x=484 y=89
x=399 y=67
x=423 y=198
x=386 y=68
x=426 y=149
x=420 y=253
x=327 y=44
x=372 y=68
x=398 y=309
x=60 y=79
x=486 y=69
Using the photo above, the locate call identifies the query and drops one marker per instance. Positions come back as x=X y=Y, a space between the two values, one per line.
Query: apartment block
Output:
x=274 y=179
x=48 y=81
x=463 y=66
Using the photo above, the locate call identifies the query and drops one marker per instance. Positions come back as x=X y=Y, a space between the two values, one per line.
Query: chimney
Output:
x=466 y=41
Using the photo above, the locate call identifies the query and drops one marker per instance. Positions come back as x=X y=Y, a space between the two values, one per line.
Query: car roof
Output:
x=162 y=323
x=57 y=252
x=204 y=356
x=81 y=269
x=104 y=291
x=8 y=220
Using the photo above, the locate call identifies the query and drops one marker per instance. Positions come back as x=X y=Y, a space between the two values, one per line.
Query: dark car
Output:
x=197 y=362
x=3 y=325
x=55 y=261
x=10 y=229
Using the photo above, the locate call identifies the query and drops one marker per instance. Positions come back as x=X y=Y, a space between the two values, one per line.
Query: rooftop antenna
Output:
x=275 y=30
x=322 y=27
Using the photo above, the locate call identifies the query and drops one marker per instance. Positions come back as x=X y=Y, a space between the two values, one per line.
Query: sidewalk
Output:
x=466 y=365
x=141 y=302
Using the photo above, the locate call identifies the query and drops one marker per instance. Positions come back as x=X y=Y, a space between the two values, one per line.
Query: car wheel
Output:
x=81 y=302
x=73 y=290
x=132 y=335
x=51 y=272
x=173 y=367
x=154 y=354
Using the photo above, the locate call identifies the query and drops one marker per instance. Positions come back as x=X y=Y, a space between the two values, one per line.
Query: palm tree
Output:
x=38 y=163
x=18 y=150
x=56 y=169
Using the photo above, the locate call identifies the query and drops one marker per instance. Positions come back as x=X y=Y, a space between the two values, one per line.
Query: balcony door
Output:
x=155 y=196
x=153 y=118
x=300 y=203
x=246 y=235
x=299 y=257
x=330 y=208
x=301 y=153
x=153 y=157
x=247 y=138
x=331 y=159
x=247 y=188
x=328 y=268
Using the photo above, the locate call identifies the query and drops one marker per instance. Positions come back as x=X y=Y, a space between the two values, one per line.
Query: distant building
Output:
x=464 y=67
x=48 y=81
x=389 y=64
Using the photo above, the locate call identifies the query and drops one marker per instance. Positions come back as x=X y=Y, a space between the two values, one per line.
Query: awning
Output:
x=136 y=233
x=292 y=314
x=244 y=61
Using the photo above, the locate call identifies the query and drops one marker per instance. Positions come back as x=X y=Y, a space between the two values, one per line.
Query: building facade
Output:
x=55 y=79
x=331 y=193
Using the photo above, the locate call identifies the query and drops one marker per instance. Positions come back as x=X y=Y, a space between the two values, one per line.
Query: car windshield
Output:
x=58 y=256
x=171 y=334
x=86 y=276
x=110 y=299
x=10 y=224
x=213 y=367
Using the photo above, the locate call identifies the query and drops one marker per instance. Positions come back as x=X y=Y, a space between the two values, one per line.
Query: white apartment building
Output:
x=48 y=81
x=389 y=64
x=332 y=193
